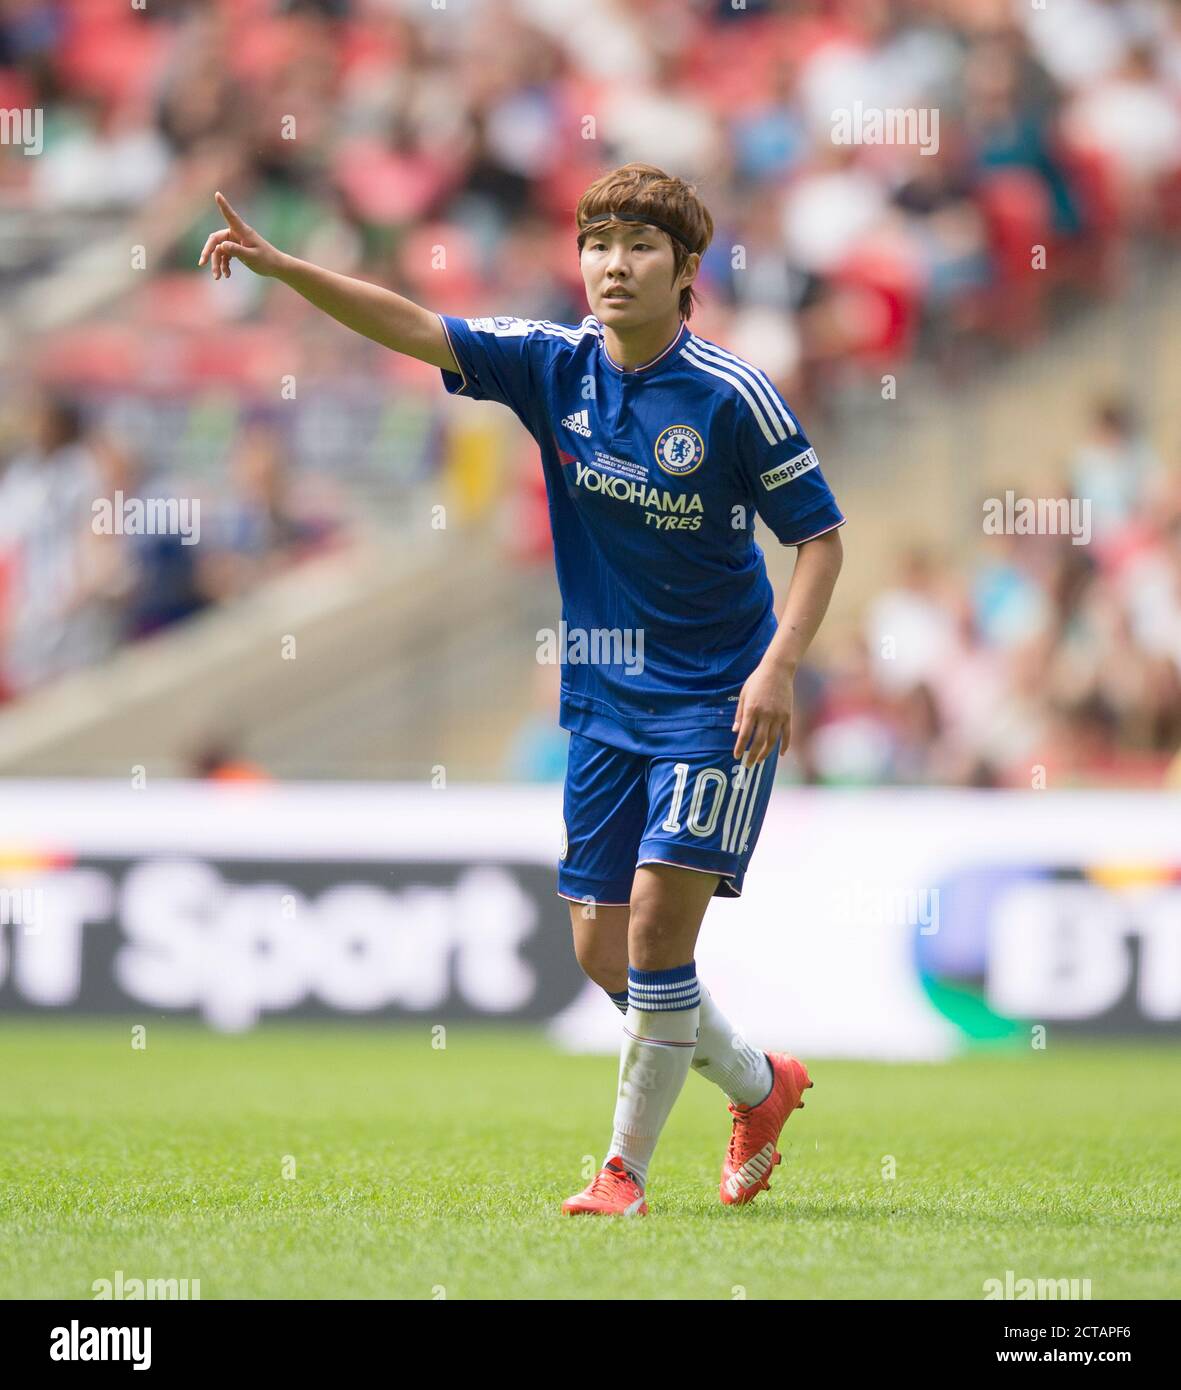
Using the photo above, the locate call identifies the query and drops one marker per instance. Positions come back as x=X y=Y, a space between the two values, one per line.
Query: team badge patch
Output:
x=565 y=843
x=679 y=449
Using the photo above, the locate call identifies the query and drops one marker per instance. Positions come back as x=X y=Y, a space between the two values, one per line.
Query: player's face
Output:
x=628 y=273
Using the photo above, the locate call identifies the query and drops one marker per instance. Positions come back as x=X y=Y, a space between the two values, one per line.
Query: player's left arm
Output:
x=781 y=472
x=765 y=703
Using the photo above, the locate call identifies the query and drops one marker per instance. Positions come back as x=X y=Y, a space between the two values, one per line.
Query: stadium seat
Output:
x=111 y=54
x=881 y=300
x=1089 y=259
x=1015 y=204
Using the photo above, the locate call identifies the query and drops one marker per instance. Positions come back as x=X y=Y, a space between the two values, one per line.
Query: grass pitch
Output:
x=423 y=1173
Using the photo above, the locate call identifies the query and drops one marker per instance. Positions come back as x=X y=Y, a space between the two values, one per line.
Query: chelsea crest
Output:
x=680 y=449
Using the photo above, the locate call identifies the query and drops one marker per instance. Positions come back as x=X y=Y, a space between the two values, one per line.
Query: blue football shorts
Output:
x=698 y=810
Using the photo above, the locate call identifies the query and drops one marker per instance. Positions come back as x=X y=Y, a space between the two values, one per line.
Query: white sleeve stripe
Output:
x=701 y=349
x=788 y=419
x=576 y=334
x=742 y=391
x=523 y=327
x=553 y=331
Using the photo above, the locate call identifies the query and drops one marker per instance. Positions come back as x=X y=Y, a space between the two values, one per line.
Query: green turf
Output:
x=420 y=1169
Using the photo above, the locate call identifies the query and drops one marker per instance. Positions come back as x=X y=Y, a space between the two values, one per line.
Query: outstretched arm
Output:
x=376 y=313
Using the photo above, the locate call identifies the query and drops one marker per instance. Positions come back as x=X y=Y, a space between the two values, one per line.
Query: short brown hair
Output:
x=640 y=189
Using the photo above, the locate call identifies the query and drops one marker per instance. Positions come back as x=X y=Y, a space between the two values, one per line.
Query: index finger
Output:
x=230 y=215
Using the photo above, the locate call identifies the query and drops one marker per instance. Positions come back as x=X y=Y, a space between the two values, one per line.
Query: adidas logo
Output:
x=752 y=1171
x=579 y=422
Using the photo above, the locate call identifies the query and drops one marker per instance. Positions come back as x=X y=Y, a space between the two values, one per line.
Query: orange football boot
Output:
x=611 y=1192
x=751 y=1153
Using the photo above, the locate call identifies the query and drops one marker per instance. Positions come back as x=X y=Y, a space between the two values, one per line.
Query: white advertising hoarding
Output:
x=892 y=924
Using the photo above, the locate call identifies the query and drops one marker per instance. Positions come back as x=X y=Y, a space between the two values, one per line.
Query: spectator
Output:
x=1111 y=468
x=46 y=511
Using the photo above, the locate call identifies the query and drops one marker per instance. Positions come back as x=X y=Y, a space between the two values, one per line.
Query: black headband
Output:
x=641 y=217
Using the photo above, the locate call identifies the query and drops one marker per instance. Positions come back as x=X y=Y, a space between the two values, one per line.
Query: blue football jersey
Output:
x=653 y=478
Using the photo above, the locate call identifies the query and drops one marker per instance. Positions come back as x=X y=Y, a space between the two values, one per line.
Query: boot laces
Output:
x=607 y=1179
x=737 y=1134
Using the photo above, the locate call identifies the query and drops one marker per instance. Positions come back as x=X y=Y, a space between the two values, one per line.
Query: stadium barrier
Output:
x=873 y=924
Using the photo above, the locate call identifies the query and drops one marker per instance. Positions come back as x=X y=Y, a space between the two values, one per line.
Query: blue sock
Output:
x=619 y=1000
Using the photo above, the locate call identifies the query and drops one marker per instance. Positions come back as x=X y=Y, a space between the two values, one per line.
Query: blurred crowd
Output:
x=78 y=580
x=1036 y=663
x=1042 y=663
x=440 y=150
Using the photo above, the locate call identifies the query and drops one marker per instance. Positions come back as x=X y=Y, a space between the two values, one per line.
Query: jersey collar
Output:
x=662 y=356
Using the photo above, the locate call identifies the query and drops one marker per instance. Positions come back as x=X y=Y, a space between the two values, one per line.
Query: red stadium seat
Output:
x=1092 y=180
x=388 y=188
x=98 y=354
x=1168 y=193
x=1015 y=204
x=880 y=299
x=112 y=54
x=17 y=92
x=731 y=67
x=241 y=355
x=177 y=300
x=1090 y=259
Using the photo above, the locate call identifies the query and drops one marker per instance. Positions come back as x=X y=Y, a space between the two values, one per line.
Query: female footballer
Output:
x=659 y=448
